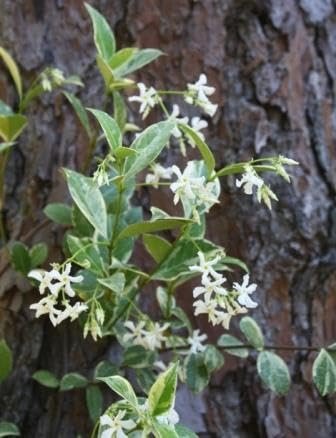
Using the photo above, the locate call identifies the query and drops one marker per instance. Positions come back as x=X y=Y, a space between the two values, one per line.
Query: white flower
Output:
x=47 y=306
x=224 y=319
x=71 y=312
x=244 y=292
x=154 y=337
x=116 y=425
x=46 y=279
x=209 y=308
x=186 y=185
x=195 y=342
x=205 y=267
x=198 y=94
x=197 y=124
x=182 y=120
x=147 y=98
x=66 y=280
x=159 y=172
x=169 y=418
x=135 y=332
x=209 y=286
x=250 y=179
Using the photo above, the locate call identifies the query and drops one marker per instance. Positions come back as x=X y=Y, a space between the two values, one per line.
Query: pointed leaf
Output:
x=46 y=378
x=138 y=60
x=94 y=402
x=203 y=148
x=88 y=199
x=102 y=33
x=11 y=126
x=122 y=387
x=152 y=227
x=116 y=282
x=157 y=246
x=110 y=128
x=148 y=144
x=38 y=254
x=80 y=111
x=73 y=381
x=197 y=373
x=161 y=397
x=13 y=70
x=20 y=258
x=119 y=110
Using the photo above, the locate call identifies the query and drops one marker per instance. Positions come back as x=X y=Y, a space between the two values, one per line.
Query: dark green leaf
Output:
x=157 y=246
x=197 y=373
x=38 y=254
x=73 y=381
x=105 y=369
x=59 y=213
x=153 y=226
x=213 y=358
x=46 y=378
x=11 y=126
x=137 y=356
x=184 y=432
x=6 y=360
x=8 y=429
x=94 y=402
x=20 y=258
x=85 y=254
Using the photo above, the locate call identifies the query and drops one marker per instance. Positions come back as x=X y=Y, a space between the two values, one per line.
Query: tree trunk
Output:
x=274 y=66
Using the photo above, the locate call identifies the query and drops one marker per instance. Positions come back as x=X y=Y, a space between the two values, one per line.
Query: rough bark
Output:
x=274 y=65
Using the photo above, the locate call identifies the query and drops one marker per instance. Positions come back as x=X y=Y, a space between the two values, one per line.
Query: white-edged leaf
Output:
x=324 y=373
x=80 y=111
x=13 y=70
x=228 y=341
x=122 y=387
x=102 y=33
x=274 y=372
x=161 y=397
x=8 y=429
x=110 y=128
x=88 y=199
x=252 y=332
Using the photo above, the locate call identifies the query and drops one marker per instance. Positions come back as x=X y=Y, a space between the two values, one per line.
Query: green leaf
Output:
x=197 y=373
x=137 y=356
x=110 y=128
x=122 y=56
x=213 y=358
x=184 y=432
x=11 y=126
x=252 y=332
x=6 y=360
x=80 y=223
x=138 y=60
x=105 y=71
x=228 y=341
x=80 y=111
x=85 y=254
x=161 y=396
x=38 y=254
x=145 y=378
x=119 y=110
x=73 y=381
x=116 y=282
x=153 y=226
x=164 y=431
x=46 y=378
x=121 y=153
x=20 y=258
x=324 y=373
x=157 y=246
x=203 y=148
x=273 y=372
x=59 y=213
x=102 y=33
x=94 y=402
x=8 y=429
x=105 y=369
x=234 y=261
x=13 y=70
x=88 y=199
x=122 y=387
x=5 y=146
x=148 y=144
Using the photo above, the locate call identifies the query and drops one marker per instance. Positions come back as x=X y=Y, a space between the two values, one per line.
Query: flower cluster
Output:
x=151 y=339
x=219 y=303
x=198 y=95
x=249 y=179
x=192 y=188
x=57 y=284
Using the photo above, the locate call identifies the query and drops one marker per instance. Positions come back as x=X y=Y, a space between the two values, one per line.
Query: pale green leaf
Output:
x=148 y=144
x=59 y=213
x=252 y=332
x=13 y=70
x=119 y=110
x=115 y=282
x=138 y=60
x=161 y=397
x=88 y=199
x=110 y=128
x=228 y=341
x=73 y=381
x=102 y=33
x=273 y=372
x=203 y=148
x=122 y=387
x=324 y=373
x=153 y=226
x=122 y=56
x=11 y=126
